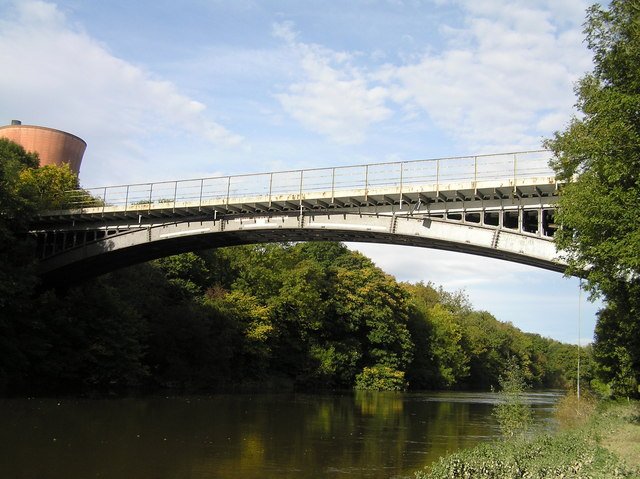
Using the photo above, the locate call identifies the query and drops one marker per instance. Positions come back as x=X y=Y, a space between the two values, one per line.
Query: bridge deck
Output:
x=441 y=185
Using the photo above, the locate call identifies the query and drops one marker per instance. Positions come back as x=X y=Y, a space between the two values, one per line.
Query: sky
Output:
x=166 y=90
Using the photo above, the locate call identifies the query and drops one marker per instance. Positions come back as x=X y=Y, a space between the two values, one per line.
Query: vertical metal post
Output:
x=401 y=178
x=104 y=200
x=366 y=183
x=515 y=175
x=300 y=193
x=333 y=184
x=201 y=188
x=520 y=218
x=540 y=225
x=150 y=196
x=475 y=172
x=175 y=195
x=579 y=346
x=228 y=189
x=270 y=187
x=437 y=177
x=126 y=199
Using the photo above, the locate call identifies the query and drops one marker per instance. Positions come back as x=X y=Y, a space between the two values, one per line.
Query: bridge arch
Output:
x=151 y=241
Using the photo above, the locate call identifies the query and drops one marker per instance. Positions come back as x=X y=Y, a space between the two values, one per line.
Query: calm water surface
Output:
x=369 y=435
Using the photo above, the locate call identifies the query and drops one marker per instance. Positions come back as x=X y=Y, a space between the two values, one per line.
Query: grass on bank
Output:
x=593 y=442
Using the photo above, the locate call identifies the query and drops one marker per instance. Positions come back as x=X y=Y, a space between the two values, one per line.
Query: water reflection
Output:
x=373 y=435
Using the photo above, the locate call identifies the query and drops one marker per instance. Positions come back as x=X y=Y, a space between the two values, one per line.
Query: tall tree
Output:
x=24 y=190
x=598 y=155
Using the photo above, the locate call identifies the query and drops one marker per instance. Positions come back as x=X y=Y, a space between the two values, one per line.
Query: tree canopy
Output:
x=598 y=155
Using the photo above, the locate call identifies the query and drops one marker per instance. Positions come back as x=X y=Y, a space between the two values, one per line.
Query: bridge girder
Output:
x=139 y=243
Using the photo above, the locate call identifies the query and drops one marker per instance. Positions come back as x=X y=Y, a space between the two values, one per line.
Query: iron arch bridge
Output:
x=499 y=206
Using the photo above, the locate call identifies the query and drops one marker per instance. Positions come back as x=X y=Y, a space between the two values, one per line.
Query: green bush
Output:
x=512 y=412
x=381 y=378
x=570 y=455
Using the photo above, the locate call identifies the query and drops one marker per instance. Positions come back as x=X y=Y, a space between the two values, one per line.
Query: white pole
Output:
x=579 y=347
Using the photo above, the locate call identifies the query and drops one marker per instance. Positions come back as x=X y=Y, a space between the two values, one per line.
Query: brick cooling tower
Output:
x=54 y=147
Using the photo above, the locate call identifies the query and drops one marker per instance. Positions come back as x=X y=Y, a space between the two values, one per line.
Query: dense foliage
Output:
x=310 y=315
x=24 y=188
x=598 y=155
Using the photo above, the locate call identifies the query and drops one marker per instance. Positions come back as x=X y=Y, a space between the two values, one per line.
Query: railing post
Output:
x=366 y=183
x=175 y=195
x=104 y=200
x=200 y=200
x=126 y=199
x=515 y=174
x=300 y=193
x=437 y=177
x=333 y=184
x=475 y=171
x=475 y=175
x=401 y=178
x=270 y=187
x=228 y=189
x=150 y=196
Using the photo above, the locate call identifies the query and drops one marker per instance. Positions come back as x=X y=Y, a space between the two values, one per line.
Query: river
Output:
x=349 y=435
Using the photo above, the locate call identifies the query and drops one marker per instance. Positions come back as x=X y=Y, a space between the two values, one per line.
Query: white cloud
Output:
x=334 y=98
x=501 y=83
x=505 y=78
x=55 y=74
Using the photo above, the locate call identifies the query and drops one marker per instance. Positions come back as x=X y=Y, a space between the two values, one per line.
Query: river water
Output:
x=349 y=435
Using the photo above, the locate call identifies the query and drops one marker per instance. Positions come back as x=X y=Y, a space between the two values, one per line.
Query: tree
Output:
x=598 y=155
x=16 y=278
x=512 y=412
x=374 y=307
x=187 y=270
x=25 y=189
x=49 y=187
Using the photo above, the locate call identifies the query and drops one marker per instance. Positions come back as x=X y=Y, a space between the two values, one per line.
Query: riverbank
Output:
x=606 y=445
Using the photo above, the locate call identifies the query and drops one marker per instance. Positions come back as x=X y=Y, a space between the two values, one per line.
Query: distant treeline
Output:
x=311 y=316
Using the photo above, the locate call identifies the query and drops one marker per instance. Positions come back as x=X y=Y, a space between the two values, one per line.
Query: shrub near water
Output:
x=580 y=453
x=572 y=411
x=512 y=412
x=570 y=455
x=381 y=378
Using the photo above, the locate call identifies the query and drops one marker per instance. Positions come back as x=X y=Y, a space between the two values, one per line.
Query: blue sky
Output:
x=166 y=90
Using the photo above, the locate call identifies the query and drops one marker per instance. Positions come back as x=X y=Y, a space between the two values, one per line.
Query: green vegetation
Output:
x=513 y=414
x=592 y=449
x=598 y=155
x=306 y=315
x=23 y=190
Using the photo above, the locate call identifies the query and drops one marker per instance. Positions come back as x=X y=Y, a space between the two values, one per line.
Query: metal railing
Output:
x=332 y=181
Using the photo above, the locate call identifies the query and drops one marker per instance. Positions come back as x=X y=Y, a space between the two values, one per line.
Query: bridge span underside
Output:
x=146 y=242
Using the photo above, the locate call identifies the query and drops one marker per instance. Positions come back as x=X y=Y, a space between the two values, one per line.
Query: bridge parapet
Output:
x=471 y=182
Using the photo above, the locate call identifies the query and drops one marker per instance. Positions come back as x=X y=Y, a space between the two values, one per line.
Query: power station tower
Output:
x=54 y=147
